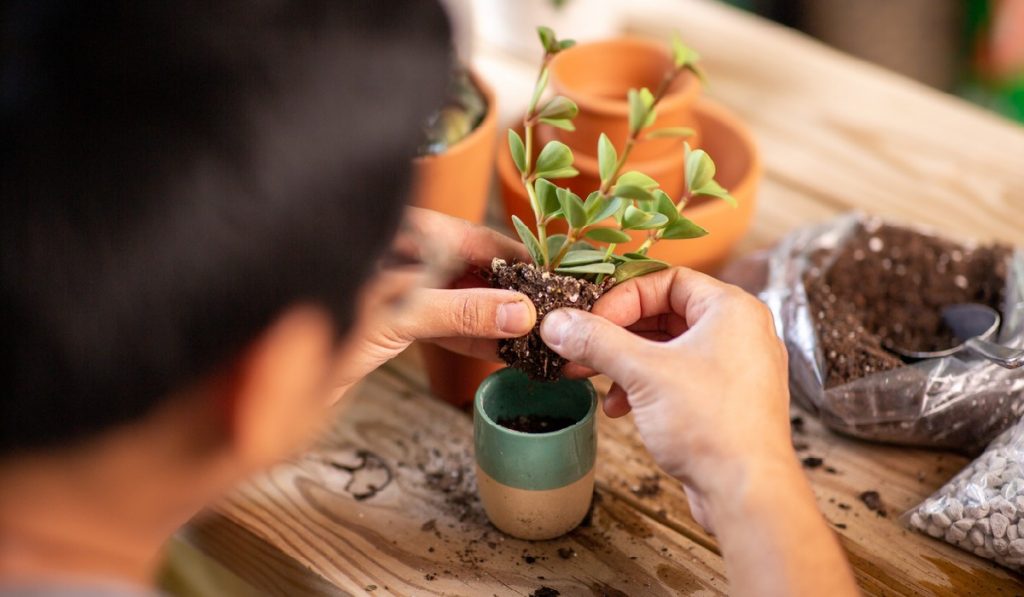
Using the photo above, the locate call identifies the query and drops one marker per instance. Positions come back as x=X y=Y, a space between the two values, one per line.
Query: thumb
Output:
x=595 y=342
x=465 y=313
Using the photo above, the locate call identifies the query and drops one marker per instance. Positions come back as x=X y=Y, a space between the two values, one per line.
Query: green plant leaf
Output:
x=635 y=217
x=608 y=235
x=647 y=97
x=632 y=192
x=591 y=202
x=637 y=110
x=547 y=38
x=683 y=228
x=652 y=115
x=713 y=189
x=634 y=269
x=547 y=196
x=555 y=156
x=582 y=257
x=682 y=55
x=607 y=210
x=559 y=173
x=670 y=132
x=665 y=206
x=572 y=207
x=635 y=178
x=555 y=242
x=590 y=268
x=657 y=221
x=699 y=168
x=531 y=242
x=559 y=107
x=538 y=90
x=559 y=123
x=582 y=245
x=565 y=44
x=607 y=157
x=518 y=151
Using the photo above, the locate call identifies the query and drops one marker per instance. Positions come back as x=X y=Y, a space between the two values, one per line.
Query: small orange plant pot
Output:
x=456 y=182
x=597 y=77
x=739 y=170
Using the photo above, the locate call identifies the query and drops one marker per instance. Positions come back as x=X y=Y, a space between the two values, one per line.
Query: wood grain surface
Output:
x=385 y=504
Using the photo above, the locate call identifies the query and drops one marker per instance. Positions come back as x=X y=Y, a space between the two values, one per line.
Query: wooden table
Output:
x=386 y=505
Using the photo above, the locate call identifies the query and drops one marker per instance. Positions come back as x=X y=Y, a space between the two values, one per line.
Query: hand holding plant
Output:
x=568 y=269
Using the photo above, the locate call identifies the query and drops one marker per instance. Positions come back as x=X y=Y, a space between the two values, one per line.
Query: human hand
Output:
x=699 y=364
x=459 y=313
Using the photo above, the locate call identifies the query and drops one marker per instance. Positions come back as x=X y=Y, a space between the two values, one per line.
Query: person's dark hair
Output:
x=176 y=174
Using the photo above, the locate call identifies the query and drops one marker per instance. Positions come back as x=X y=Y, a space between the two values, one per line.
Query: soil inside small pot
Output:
x=548 y=292
x=536 y=423
x=887 y=287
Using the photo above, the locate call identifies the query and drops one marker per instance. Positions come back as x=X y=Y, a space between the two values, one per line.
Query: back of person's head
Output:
x=175 y=175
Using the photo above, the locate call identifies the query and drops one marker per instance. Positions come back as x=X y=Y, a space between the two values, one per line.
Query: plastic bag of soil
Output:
x=981 y=510
x=844 y=291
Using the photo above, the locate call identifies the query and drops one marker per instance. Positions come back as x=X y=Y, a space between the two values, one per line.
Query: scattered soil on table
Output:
x=812 y=462
x=536 y=423
x=887 y=287
x=649 y=486
x=873 y=501
x=548 y=292
x=545 y=592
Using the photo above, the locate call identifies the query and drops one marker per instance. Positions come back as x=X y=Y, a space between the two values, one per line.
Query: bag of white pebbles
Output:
x=981 y=510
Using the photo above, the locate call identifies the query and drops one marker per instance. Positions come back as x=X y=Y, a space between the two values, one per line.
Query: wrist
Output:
x=749 y=487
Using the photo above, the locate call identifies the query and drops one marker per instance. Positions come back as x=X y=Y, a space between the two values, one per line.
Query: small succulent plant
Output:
x=624 y=201
x=464 y=109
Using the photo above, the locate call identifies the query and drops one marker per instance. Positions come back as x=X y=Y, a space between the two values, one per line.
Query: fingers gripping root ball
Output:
x=548 y=292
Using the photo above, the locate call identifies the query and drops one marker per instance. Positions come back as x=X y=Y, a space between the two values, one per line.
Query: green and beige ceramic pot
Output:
x=535 y=485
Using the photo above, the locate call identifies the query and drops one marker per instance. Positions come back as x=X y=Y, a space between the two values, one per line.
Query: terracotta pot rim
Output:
x=470 y=140
x=704 y=108
x=685 y=90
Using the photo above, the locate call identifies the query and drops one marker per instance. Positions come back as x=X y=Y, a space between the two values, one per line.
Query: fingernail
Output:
x=514 y=318
x=555 y=327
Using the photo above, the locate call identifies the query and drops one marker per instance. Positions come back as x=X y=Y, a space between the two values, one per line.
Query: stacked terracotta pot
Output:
x=597 y=76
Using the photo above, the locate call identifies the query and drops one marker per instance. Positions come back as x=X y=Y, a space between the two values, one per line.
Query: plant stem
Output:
x=527 y=176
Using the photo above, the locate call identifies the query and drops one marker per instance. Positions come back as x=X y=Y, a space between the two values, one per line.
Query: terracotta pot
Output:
x=453 y=377
x=667 y=168
x=457 y=181
x=535 y=486
x=597 y=76
x=738 y=163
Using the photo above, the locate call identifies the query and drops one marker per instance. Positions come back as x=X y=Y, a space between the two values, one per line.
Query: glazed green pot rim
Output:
x=495 y=378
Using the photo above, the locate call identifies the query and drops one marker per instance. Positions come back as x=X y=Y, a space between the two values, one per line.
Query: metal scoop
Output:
x=975 y=326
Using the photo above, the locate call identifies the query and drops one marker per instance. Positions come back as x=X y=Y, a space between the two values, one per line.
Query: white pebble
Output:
x=918 y=522
x=977 y=512
x=1000 y=546
x=964 y=524
x=1011 y=532
x=976 y=537
x=1017 y=547
x=999 y=524
x=940 y=519
x=985 y=526
x=955 y=535
x=954 y=510
x=935 y=531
